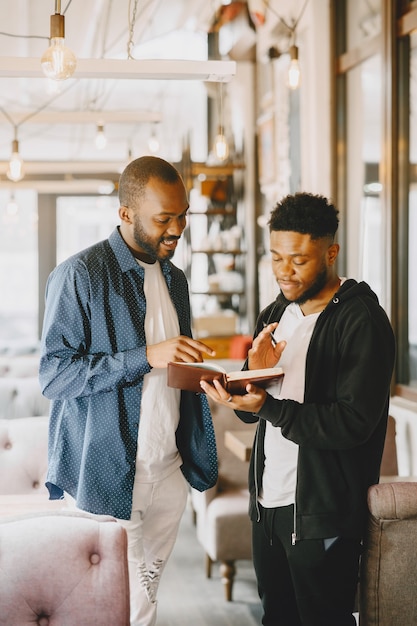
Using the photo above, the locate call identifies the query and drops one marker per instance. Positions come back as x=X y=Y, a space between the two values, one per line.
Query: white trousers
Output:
x=151 y=534
x=152 y=531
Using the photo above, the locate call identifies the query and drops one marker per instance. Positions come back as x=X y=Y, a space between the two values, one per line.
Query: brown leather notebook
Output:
x=187 y=376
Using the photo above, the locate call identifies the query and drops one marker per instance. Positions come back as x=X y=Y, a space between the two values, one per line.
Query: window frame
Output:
x=392 y=43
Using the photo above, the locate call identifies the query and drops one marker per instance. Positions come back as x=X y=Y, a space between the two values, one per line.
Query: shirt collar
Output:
x=125 y=258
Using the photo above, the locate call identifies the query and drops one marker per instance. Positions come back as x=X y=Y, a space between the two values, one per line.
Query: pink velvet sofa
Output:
x=63 y=568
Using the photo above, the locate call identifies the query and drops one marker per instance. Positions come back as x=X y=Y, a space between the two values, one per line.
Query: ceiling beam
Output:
x=82 y=117
x=67 y=168
x=72 y=187
x=119 y=69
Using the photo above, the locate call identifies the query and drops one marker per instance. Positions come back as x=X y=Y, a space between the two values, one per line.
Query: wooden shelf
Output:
x=211 y=252
x=218 y=292
x=220 y=343
x=215 y=171
x=219 y=189
x=214 y=212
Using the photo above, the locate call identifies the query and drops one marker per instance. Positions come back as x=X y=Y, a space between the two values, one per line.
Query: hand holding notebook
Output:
x=187 y=376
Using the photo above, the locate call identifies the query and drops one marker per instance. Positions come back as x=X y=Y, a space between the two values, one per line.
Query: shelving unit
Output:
x=216 y=255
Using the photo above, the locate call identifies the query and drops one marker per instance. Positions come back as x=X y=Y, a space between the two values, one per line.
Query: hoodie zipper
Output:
x=294 y=532
x=255 y=474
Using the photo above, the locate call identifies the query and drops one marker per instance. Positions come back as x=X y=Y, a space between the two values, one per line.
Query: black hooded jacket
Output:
x=340 y=427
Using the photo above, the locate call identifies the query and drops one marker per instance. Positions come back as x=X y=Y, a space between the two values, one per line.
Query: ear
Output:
x=125 y=214
x=332 y=253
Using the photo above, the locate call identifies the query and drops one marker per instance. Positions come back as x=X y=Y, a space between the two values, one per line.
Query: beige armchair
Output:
x=388 y=577
x=221 y=513
x=63 y=568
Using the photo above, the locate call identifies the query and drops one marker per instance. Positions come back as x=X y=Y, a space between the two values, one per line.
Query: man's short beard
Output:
x=142 y=240
x=312 y=291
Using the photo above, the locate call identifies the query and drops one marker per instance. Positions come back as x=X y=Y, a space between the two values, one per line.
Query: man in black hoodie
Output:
x=321 y=430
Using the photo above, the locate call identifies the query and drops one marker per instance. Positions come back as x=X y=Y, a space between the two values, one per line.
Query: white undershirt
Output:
x=281 y=455
x=157 y=455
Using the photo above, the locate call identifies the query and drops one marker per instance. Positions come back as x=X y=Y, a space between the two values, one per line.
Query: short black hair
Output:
x=136 y=175
x=305 y=213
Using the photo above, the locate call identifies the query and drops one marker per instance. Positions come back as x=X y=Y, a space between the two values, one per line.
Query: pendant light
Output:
x=294 y=73
x=101 y=139
x=12 y=207
x=58 y=62
x=221 y=146
x=15 y=170
x=153 y=141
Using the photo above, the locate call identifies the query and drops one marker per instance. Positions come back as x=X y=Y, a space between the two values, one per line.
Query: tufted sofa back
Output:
x=19 y=366
x=63 y=568
x=21 y=397
x=23 y=455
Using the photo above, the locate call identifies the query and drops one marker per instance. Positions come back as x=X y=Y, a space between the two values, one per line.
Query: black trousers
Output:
x=303 y=584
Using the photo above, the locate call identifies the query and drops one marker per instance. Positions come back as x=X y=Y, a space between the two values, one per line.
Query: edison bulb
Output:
x=15 y=170
x=58 y=62
x=221 y=147
x=101 y=139
x=294 y=72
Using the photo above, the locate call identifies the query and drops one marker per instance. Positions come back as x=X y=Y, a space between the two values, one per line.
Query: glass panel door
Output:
x=412 y=218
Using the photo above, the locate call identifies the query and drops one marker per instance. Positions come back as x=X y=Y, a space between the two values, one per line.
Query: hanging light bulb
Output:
x=12 y=207
x=153 y=142
x=15 y=171
x=294 y=69
x=221 y=147
x=58 y=62
x=101 y=139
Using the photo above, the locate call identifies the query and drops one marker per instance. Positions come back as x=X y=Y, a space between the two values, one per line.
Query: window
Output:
x=412 y=217
x=375 y=158
x=363 y=215
x=83 y=221
x=18 y=270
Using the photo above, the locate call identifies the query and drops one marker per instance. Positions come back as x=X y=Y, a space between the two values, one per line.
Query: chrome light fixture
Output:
x=58 y=62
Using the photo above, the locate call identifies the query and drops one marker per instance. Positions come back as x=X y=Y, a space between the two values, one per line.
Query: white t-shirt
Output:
x=281 y=454
x=157 y=454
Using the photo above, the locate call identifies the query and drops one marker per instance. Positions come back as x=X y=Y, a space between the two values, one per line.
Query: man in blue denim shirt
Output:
x=121 y=441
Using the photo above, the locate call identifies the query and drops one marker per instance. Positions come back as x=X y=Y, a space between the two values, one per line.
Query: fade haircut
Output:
x=307 y=214
x=136 y=176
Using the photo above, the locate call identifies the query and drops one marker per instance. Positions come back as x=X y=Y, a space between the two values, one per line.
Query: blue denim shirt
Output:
x=93 y=359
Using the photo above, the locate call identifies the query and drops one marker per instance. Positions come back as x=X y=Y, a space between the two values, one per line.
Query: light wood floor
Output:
x=188 y=598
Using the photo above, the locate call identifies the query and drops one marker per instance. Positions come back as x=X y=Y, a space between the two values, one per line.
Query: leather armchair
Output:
x=63 y=568
x=388 y=576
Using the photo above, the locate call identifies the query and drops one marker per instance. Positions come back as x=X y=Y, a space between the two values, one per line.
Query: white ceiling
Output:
x=56 y=129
